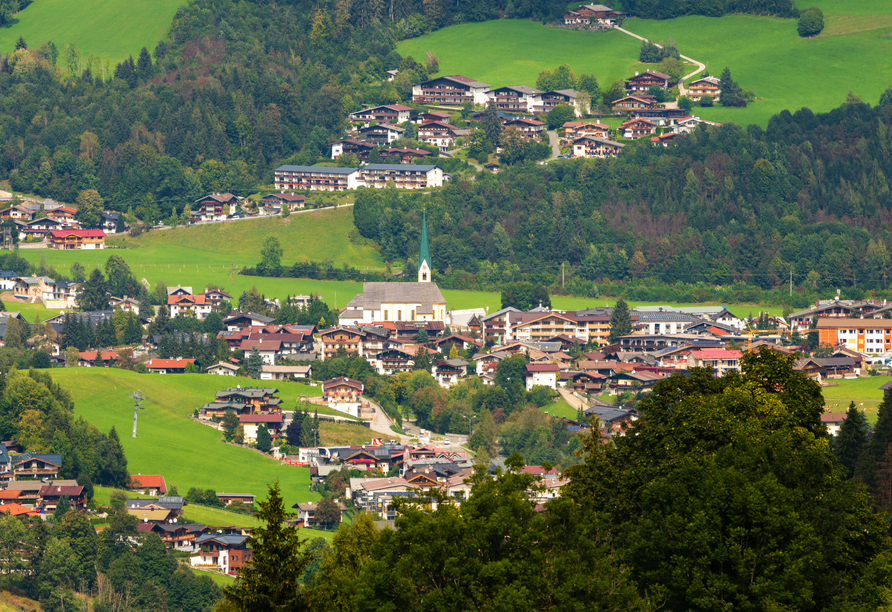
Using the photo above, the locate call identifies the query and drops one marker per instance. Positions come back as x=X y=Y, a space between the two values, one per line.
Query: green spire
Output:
x=424 y=252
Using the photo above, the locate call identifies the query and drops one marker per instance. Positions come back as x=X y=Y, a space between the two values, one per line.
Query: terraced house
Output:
x=404 y=176
x=515 y=98
x=450 y=90
x=317 y=178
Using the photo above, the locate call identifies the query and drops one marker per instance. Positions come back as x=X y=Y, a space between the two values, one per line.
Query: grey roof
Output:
x=227 y=539
x=386 y=126
x=648 y=317
x=374 y=294
x=526 y=89
x=457 y=78
x=601 y=140
x=167 y=502
x=250 y=315
x=55 y=459
x=8 y=274
x=247 y=392
x=545 y=347
x=401 y=167
x=570 y=93
x=500 y=312
x=325 y=169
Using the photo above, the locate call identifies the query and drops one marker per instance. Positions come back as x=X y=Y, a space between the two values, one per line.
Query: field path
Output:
x=700 y=65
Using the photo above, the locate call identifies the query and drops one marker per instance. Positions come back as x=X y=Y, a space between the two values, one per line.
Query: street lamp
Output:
x=470 y=420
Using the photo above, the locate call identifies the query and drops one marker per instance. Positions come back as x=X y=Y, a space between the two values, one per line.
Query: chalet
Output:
x=347 y=338
x=634 y=103
x=833 y=421
x=625 y=380
x=148 y=484
x=251 y=424
x=352 y=146
x=389 y=113
x=428 y=116
x=719 y=360
x=686 y=125
x=403 y=176
x=450 y=90
x=514 y=98
x=178 y=536
x=51 y=494
x=76 y=239
x=831 y=367
x=189 y=305
x=245 y=400
x=663 y=140
x=224 y=552
x=529 y=127
x=393 y=361
x=269 y=350
x=215 y=296
x=550 y=99
x=90 y=359
x=275 y=201
x=231 y=498
x=223 y=369
x=64 y=294
x=168 y=366
x=285 y=372
x=242 y=320
x=598 y=130
x=544 y=374
x=306 y=513
x=39 y=228
x=590 y=146
x=590 y=14
x=214 y=207
x=317 y=178
x=64 y=214
x=127 y=304
x=344 y=394
x=583 y=382
x=439 y=134
x=16 y=212
x=637 y=128
x=112 y=222
x=381 y=133
x=662 y=116
x=36 y=466
x=7 y=279
x=644 y=81
x=707 y=86
x=405 y=156
x=463 y=342
x=448 y=371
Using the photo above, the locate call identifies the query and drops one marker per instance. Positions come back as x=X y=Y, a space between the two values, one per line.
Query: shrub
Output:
x=811 y=22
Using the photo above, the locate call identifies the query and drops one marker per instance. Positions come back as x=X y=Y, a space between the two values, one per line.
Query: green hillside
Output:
x=514 y=51
x=111 y=29
x=186 y=453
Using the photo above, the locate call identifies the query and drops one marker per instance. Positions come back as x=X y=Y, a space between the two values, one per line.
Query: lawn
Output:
x=186 y=453
x=110 y=29
x=221 y=580
x=336 y=434
x=515 y=51
x=561 y=408
x=765 y=54
x=864 y=391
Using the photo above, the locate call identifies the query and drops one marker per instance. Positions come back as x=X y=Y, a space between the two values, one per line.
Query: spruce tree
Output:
x=264 y=441
x=851 y=440
x=230 y=424
x=254 y=364
x=620 y=321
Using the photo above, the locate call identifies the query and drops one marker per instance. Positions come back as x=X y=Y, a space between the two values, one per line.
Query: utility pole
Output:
x=137 y=397
x=562 y=275
x=791 y=282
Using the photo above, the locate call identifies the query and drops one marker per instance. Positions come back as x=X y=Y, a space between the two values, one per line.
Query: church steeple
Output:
x=424 y=253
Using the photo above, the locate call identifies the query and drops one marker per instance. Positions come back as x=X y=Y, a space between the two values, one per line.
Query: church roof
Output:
x=375 y=294
x=424 y=252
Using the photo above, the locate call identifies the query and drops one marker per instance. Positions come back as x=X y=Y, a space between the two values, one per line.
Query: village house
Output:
x=233 y=498
x=275 y=201
x=380 y=134
x=663 y=139
x=403 y=176
x=720 y=360
x=544 y=374
x=591 y=14
x=225 y=552
x=65 y=214
x=826 y=367
x=269 y=350
x=428 y=116
x=441 y=135
x=36 y=466
x=686 y=125
x=50 y=495
x=89 y=359
x=388 y=113
x=245 y=400
x=285 y=372
x=862 y=335
x=449 y=371
x=405 y=156
x=641 y=83
x=450 y=90
x=214 y=207
x=634 y=103
x=529 y=127
x=550 y=99
x=352 y=146
x=148 y=484
x=343 y=337
x=223 y=369
x=18 y=212
x=590 y=146
x=344 y=395
x=317 y=178
x=168 y=366
x=706 y=86
x=246 y=320
x=593 y=128
x=392 y=361
x=179 y=536
x=127 y=304
x=112 y=222
x=514 y=98
x=68 y=239
x=637 y=128
x=251 y=423
x=306 y=513
x=188 y=305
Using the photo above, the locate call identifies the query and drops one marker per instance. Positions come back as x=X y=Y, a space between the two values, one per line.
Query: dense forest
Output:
x=808 y=197
x=669 y=9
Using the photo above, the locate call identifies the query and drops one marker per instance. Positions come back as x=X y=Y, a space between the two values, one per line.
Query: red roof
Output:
x=538 y=470
x=106 y=356
x=717 y=354
x=398 y=107
x=57 y=491
x=833 y=417
x=269 y=345
x=198 y=299
x=61 y=209
x=9 y=494
x=17 y=510
x=148 y=481
x=93 y=233
x=161 y=364
x=543 y=367
x=260 y=418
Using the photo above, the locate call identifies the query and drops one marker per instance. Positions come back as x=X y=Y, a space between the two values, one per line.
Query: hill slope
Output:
x=111 y=29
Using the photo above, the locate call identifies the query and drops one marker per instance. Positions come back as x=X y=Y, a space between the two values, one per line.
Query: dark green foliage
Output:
x=688 y=485
x=559 y=115
x=94 y=293
x=732 y=95
x=620 y=321
x=271 y=581
x=112 y=470
x=851 y=441
x=886 y=97
x=264 y=441
x=491 y=125
x=254 y=364
x=204 y=497
x=650 y=53
x=230 y=425
x=213 y=324
x=524 y=295
x=670 y=9
x=63 y=506
x=811 y=22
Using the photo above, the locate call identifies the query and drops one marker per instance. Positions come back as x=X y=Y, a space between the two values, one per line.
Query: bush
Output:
x=706 y=101
x=811 y=22
x=685 y=103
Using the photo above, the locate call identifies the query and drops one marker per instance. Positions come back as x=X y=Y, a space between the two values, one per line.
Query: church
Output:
x=419 y=301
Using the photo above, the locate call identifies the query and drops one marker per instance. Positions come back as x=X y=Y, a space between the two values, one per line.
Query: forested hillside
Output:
x=669 y=9
x=809 y=195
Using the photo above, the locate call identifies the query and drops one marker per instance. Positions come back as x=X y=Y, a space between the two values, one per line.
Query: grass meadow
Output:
x=859 y=390
x=186 y=453
x=110 y=29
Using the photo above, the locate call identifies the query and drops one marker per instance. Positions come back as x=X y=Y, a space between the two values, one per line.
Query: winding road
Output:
x=700 y=65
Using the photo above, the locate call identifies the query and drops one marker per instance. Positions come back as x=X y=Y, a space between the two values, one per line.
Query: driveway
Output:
x=553 y=141
x=681 y=88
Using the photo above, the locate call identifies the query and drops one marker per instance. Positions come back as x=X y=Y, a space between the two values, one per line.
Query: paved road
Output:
x=700 y=65
x=555 y=148
x=574 y=401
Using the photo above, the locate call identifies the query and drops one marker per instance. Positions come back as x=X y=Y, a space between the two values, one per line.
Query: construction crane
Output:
x=137 y=397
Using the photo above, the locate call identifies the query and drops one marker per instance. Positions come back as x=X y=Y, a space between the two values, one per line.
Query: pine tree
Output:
x=851 y=439
x=620 y=321
x=254 y=364
x=264 y=441
x=133 y=330
x=883 y=488
x=62 y=507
